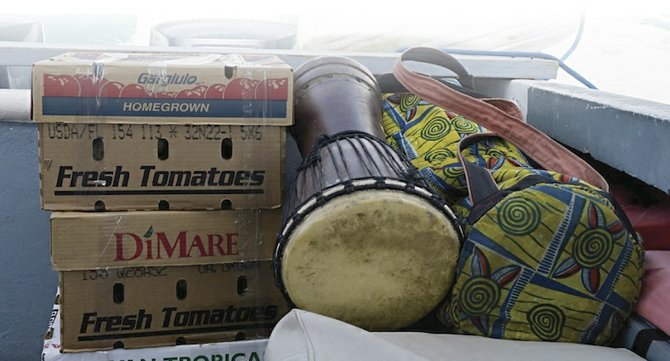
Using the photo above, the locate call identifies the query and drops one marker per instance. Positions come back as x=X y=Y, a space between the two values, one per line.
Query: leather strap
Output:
x=537 y=145
x=428 y=56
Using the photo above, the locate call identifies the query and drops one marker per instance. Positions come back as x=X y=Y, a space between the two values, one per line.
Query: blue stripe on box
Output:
x=143 y=107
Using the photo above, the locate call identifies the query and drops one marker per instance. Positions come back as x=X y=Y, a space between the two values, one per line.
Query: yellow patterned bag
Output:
x=545 y=258
x=548 y=255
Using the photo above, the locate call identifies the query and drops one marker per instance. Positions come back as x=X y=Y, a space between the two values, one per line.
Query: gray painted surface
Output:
x=28 y=284
x=626 y=133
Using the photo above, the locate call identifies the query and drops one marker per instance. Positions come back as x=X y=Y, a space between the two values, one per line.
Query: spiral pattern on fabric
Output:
x=436 y=129
x=479 y=295
x=519 y=216
x=465 y=126
x=439 y=155
x=453 y=314
x=592 y=248
x=453 y=172
x=408 y=101
x=493 y=152
x=546 y=321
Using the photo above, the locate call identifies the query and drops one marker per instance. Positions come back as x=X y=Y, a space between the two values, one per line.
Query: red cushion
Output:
x=650 y=221
x=654 y=304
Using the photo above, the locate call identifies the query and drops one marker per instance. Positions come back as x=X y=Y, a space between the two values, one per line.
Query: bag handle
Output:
x=433 y=56
x=479 y=180
x=537 y=145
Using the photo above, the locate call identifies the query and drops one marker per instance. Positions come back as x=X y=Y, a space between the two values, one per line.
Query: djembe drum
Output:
x=364 y=240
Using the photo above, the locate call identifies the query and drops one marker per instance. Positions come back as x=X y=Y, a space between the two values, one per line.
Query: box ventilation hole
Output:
x=163 y=149
x=180 y=341
x=228 y=71
x=98 y=149
x=226 y=148
x=241 y=285
x=226 y=204
x=163 y=205
x=240 y=336
x=99 y=206
x=118 y=293
x=181 y=289
x=118 y=344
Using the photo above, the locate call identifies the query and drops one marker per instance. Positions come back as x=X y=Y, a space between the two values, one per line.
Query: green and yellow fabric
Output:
x=429 y=135
x=546 y=257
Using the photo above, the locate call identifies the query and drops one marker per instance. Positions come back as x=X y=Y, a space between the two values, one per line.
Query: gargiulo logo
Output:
x=146 y=78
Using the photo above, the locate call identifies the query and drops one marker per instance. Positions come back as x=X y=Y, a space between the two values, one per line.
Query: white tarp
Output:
x=306 y=336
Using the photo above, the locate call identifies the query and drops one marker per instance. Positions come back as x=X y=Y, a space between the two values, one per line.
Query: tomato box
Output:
x=88 y=240
x=135 y=307
x=149 y=131
x=93 y=166
x=247 y=350
x=163 y=88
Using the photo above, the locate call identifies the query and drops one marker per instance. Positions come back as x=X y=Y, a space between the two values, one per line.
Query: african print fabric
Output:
x=546 y=257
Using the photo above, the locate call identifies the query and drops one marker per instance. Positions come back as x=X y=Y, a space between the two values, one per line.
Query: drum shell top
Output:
x=333 y=95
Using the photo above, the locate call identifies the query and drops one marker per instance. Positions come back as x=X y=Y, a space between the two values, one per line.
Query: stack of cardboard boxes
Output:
x=164 y=175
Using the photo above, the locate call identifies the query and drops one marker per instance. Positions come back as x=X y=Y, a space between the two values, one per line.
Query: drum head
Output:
x=378 y=259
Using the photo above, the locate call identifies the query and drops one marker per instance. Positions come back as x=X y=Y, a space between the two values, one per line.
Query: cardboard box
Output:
x=250 y=350
x=157 y=306
x=88 y=166
x=85 y=240
x=154 y=131
x=163 y=88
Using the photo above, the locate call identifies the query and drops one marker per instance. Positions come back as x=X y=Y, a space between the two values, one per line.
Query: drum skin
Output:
x=379 y=259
